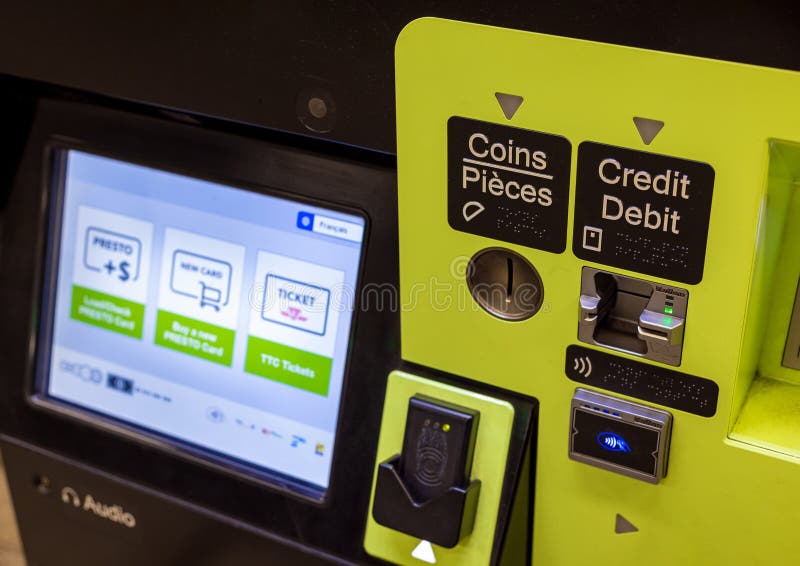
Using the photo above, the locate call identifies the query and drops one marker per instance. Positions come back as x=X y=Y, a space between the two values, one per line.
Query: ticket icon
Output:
x=297 y=304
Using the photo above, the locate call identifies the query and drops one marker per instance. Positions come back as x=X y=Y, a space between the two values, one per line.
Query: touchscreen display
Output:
x=210 y=317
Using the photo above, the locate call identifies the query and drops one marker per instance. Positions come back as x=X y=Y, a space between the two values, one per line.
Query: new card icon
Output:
x=203 y=278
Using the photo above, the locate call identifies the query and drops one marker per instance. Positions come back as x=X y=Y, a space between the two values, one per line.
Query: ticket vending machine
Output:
x=560 y=326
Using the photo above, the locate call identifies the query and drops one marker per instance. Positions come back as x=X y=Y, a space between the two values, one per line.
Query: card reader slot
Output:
x=655 y=334
x=619 y=325
x=632 y=315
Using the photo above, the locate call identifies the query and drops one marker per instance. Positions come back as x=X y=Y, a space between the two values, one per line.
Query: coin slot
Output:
x=510 y=282
x=504 y=284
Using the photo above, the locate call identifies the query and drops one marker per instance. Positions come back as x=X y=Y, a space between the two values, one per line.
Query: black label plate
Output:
x=508 y=183
x=658 y=385
x=641 y=211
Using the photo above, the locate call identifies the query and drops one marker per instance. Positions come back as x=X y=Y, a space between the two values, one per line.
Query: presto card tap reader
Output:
x=426 y=490
x=437 y=447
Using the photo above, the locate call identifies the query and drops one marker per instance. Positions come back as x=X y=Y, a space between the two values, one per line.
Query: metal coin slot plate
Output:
x=505 y=284
x=632 y=315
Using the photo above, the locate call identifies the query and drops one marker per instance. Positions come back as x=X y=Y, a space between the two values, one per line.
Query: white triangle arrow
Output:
x=509 y=103
x=648 y=129
x=424 y=552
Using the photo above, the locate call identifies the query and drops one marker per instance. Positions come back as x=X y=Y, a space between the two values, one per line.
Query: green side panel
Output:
x=195 y=337
x=107 y=311
x=728 y=498
x=489 y=465
x=770 y=418
x=782 y=214
x=288 y=365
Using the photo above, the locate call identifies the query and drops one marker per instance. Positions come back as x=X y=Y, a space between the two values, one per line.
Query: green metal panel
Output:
x=489 y=464
x=724 y=501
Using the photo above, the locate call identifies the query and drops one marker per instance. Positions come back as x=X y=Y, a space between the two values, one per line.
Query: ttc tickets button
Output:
x=297 y=304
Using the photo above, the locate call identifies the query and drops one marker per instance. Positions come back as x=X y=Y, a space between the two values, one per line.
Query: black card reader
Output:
x=427 y=490
x=437 y=447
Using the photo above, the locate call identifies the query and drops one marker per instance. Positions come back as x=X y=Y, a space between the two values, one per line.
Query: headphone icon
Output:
x=70 y=496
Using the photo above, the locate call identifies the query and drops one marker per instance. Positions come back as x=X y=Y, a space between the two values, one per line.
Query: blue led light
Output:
x=612 y=442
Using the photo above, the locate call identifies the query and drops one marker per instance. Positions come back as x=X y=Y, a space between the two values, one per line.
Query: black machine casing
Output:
x=221 y=91
x=48 y=454
x=202 y=150
x=260 y=62
x=167 y=531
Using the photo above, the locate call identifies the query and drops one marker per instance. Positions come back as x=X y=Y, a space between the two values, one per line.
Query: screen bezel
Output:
x=233 y=154
x=56 y=156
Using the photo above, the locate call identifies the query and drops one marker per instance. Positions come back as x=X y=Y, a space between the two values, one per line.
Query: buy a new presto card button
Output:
x=297 y=304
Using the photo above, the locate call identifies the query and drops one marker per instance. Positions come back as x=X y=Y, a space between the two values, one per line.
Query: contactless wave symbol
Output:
x=431 y=456
x=583 y=366
x=612 y=442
